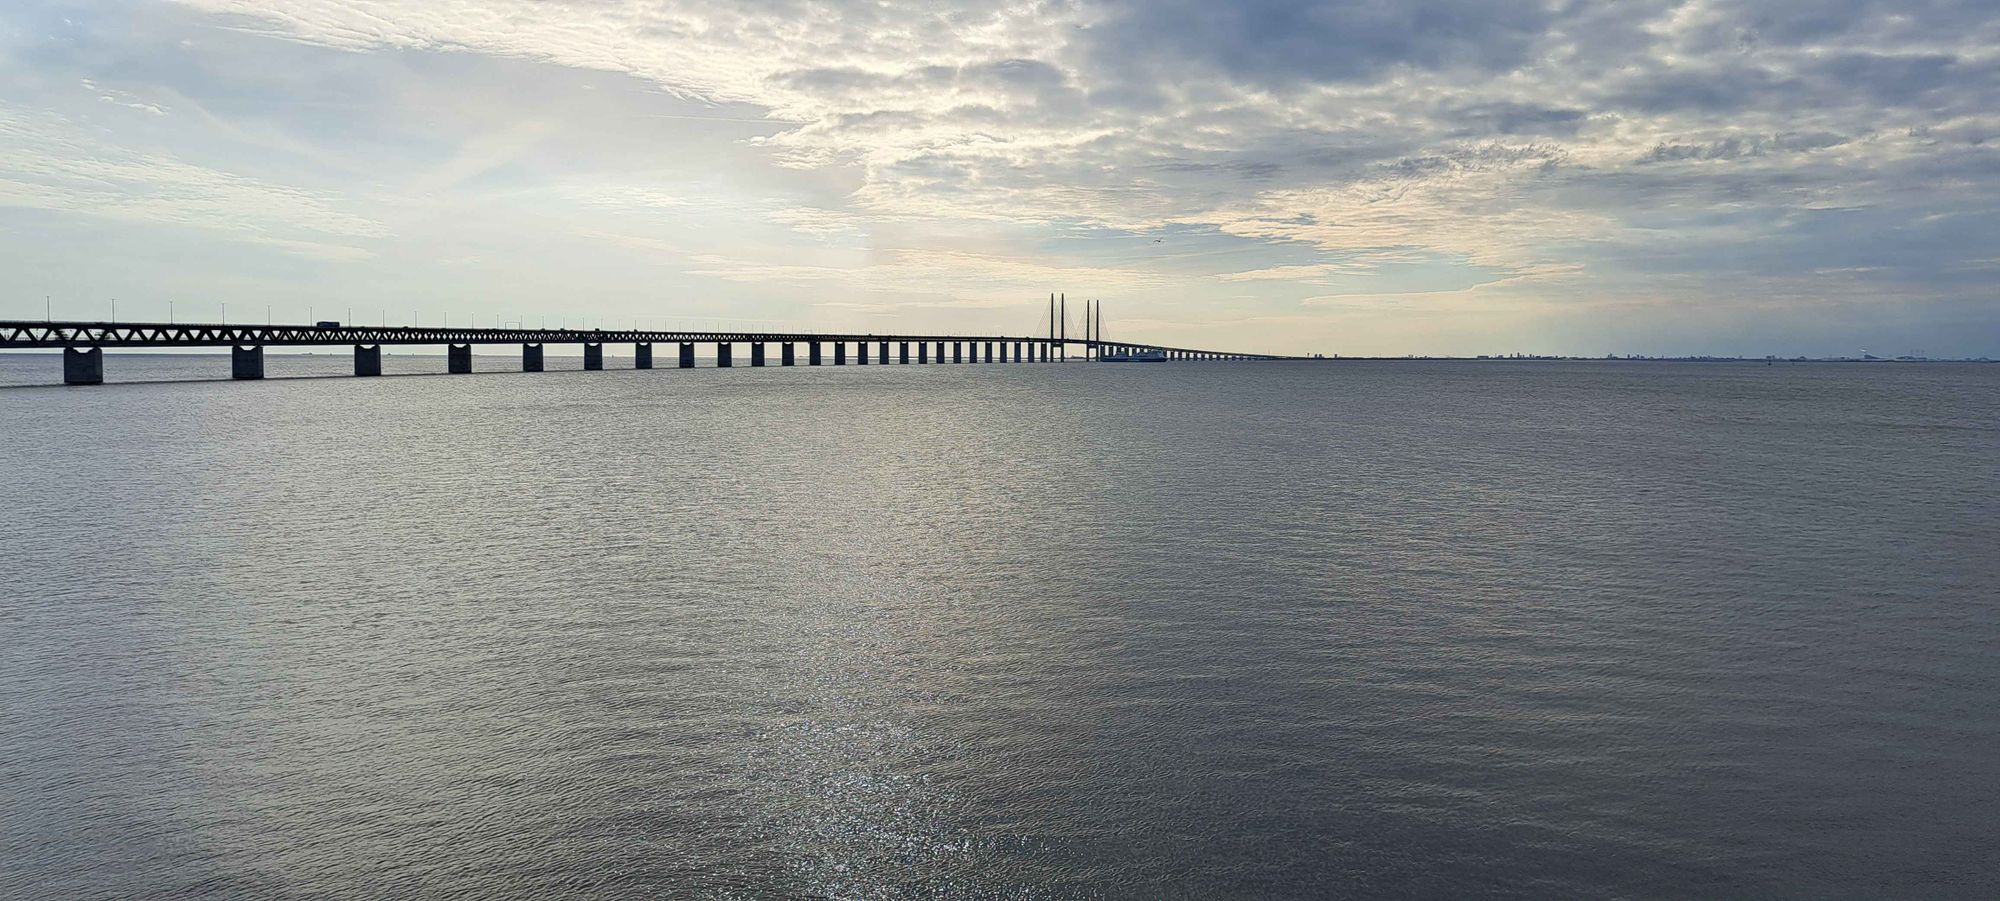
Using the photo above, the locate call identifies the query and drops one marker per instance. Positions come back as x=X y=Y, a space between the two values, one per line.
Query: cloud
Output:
x=50 y=164
x=1645 y=148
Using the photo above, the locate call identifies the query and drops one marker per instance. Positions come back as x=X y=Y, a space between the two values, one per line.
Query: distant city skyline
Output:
x=1429 y=178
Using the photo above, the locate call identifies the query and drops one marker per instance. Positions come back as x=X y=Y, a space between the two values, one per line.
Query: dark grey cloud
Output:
x=1512 y=118
x=1285 y=42
x=1734 y=148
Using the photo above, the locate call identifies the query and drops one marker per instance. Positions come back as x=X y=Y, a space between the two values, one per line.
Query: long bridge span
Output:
x=83 y=345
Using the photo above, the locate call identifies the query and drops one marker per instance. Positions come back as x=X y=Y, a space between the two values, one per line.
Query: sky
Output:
x=1361 y=178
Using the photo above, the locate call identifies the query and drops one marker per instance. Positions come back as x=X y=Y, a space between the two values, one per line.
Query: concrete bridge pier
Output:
x=840 y=353
x=923 y=352
x=246 y=362
x=723 y=354
x=83 y=365
x=367 y=359
x=756 y=353
x=785 y=356
x=989 y=351
x=593 y=357
x=458 y=358
x=687 y=355
x=642 y=355
x=812 y=353
x=883 y=353
x=531 y=358
x=861 y=353
x=957 y=349
x=940 y=352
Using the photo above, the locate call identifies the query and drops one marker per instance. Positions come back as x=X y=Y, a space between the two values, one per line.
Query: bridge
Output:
x=83 y=345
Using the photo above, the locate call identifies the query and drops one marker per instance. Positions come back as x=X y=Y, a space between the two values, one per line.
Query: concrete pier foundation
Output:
x=756 y=353
x=83 y=365
x=861 y=353
x=687 y=355
x=812 y=353
x=531 y=358
x=882 y=353
x=367 y=359
x=903 y=352
x=989 y=351
x=957 y=352
x=923 y=351
x=785 y=354
x=940 y=351
x=458 y=358
x=593 y=357
x=723 y=354
x=642 y=355
x=246 y=362
x=839 y=353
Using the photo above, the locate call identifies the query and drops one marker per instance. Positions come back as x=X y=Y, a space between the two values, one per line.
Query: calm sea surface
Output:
x=1383 y=630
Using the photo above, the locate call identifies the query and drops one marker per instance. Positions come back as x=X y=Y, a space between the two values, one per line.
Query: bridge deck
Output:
x=22 y=334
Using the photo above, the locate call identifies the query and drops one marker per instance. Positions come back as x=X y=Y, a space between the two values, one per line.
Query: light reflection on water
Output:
x=1020 y=632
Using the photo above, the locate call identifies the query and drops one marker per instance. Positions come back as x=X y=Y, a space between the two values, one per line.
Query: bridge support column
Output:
x=458 y=358
x=883 y=353
x=840 y=353
x=367 y=359
x=531 y=358
x=593 y=357
x=923 y=352
x=861 y=353
x=989 y=351
x=724 y=354
x=785 y=356
x=246 y=362
x=812 y=353
x=956 y=349
x=687 y=355
x=642 y=355
x=83 y=365
x=756 y=353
